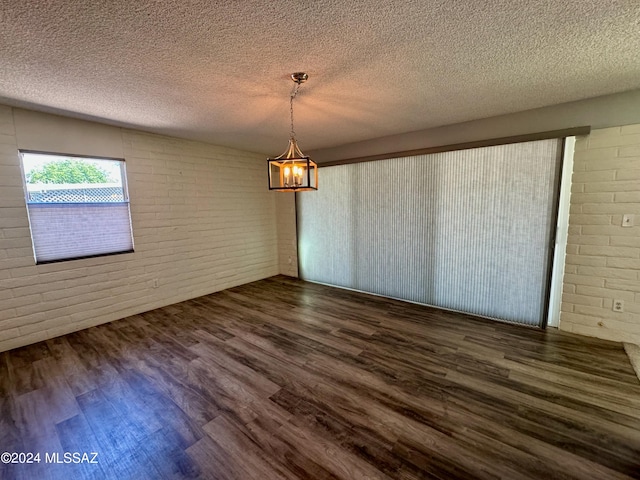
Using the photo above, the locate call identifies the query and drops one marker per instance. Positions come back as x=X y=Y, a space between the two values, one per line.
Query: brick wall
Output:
x=203 y=220
x=603 y=257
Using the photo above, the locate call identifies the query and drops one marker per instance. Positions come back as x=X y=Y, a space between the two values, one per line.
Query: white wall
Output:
x=287 y=234
x=203 y=220
x=599 y=112
x=603 y=257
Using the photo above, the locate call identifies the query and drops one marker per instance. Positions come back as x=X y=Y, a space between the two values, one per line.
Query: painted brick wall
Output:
x=202 y=219
x=603 y=258
x=287 y=234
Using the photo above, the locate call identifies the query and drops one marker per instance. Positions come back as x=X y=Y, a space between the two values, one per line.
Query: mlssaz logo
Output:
x=71 y=457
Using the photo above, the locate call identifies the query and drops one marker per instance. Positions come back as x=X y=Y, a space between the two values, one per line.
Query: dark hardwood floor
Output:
x=286 y=379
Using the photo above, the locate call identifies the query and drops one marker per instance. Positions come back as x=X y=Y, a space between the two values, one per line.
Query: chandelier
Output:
x=293 y=171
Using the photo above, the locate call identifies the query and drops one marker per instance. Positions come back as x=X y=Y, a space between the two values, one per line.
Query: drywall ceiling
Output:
x=218 y=71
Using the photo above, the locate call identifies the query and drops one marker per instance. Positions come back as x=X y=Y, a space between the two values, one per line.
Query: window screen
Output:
x=78 y=207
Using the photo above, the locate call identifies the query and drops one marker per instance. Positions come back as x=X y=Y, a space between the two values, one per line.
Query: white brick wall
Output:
x=203 y=220
x=287 y=234
x=603 y=258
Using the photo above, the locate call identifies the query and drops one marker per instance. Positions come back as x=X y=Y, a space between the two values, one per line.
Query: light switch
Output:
x=627 y=220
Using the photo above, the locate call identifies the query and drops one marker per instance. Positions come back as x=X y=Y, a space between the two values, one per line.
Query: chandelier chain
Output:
x=293 y=95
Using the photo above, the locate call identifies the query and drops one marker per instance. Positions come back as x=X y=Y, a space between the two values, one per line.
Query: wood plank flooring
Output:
x=283 y=379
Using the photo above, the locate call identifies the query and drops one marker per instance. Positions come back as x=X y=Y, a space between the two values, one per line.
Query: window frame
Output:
x=125 y=201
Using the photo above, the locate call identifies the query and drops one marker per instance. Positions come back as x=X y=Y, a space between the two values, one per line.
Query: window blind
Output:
x=75 y=230
x=466 y=230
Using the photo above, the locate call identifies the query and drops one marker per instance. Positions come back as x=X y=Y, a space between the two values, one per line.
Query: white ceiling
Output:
x=218 y=71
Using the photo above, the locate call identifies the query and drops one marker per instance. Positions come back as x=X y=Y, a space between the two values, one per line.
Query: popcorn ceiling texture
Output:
x=218 y=71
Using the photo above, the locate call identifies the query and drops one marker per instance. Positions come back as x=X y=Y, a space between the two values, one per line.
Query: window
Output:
x=78 y=207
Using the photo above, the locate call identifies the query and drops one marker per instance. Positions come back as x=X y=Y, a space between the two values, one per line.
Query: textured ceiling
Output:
x=218 y=71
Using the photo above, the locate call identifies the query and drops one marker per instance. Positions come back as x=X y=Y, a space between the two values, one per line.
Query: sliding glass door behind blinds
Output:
x=467 y=230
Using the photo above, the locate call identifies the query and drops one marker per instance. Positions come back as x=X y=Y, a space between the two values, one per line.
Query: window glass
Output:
x=78 y=206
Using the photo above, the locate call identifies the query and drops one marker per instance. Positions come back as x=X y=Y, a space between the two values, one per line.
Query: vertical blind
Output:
x=467 y=230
